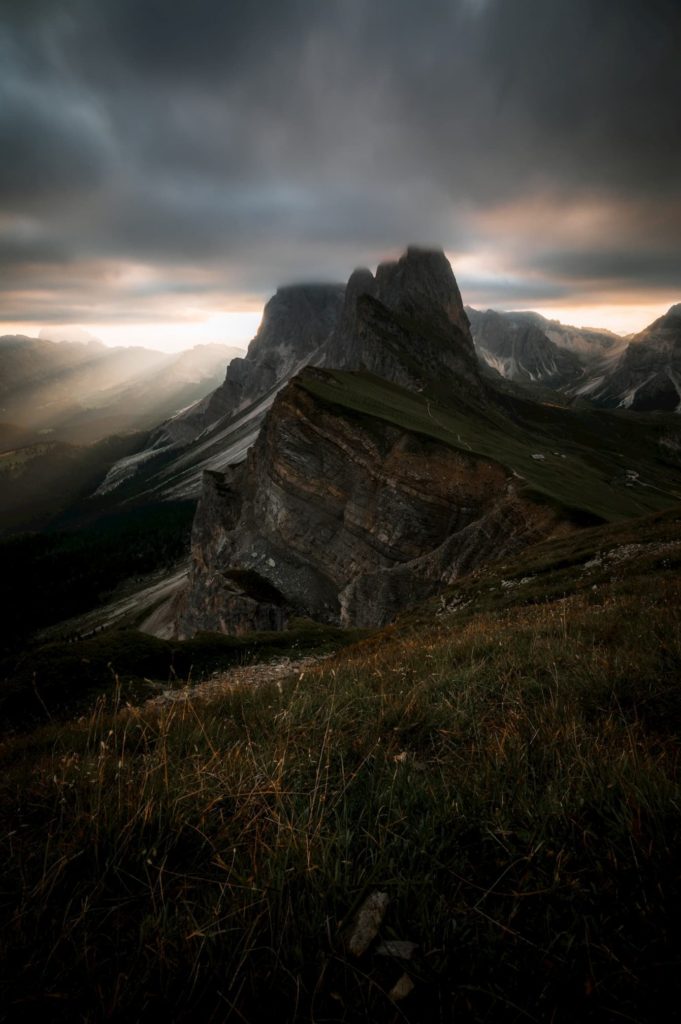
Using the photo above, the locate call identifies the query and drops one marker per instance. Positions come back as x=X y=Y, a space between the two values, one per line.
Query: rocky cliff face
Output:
x=648 y=375
x=343 y=518
x=296 y=321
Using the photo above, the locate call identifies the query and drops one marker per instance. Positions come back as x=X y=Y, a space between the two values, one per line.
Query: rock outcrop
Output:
x=296 y=321
x=345 y=519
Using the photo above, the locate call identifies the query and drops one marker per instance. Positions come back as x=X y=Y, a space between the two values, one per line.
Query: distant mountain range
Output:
x=642 y=373
x=69 y=410
x=80 y=392
x=392 y=465
x=529 y=349
x=326 y=325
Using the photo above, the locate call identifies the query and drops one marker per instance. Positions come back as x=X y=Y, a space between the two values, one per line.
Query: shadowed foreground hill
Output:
x=502 y=763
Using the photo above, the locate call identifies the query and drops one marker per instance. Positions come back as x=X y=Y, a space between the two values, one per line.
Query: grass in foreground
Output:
x=508 y=776
x=60 y=679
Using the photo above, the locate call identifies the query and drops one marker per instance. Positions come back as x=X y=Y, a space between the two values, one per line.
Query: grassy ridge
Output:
x=585 y=457
x=507 y=772
x=61 y=679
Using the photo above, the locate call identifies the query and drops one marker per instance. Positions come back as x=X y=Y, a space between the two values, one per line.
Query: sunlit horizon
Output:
x=622 y=320
x=238 y=327
x=235 y=329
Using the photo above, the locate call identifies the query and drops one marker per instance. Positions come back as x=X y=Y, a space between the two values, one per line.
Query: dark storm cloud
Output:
x=46 y=154
x=264 y=141
x=634 y=267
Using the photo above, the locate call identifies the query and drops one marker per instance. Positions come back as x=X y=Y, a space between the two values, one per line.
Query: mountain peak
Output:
x=298 y=317
x=422 y=281
x=666 y=330
x=295 y=322
x=407 y=324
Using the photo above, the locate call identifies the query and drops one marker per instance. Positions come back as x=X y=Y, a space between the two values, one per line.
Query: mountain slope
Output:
x=527 y=726
x=347 y=493
x=41 y=480
x=343 y=518
x=360 y=497
x=590 y=343
x=648 y=375
x=520 y=351
x=217 y=430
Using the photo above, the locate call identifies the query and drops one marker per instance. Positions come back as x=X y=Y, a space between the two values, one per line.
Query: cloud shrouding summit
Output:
x=164 y=161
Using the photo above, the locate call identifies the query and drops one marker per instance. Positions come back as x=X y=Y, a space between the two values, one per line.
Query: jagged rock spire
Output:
x=422 y=281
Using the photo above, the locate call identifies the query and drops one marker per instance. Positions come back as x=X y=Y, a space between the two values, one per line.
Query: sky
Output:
x=166 y=164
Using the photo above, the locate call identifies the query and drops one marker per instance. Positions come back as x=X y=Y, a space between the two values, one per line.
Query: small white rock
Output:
x=367 y=922
x=401 y=989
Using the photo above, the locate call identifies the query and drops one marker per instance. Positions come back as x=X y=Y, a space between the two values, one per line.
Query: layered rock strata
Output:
x=345 y=519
